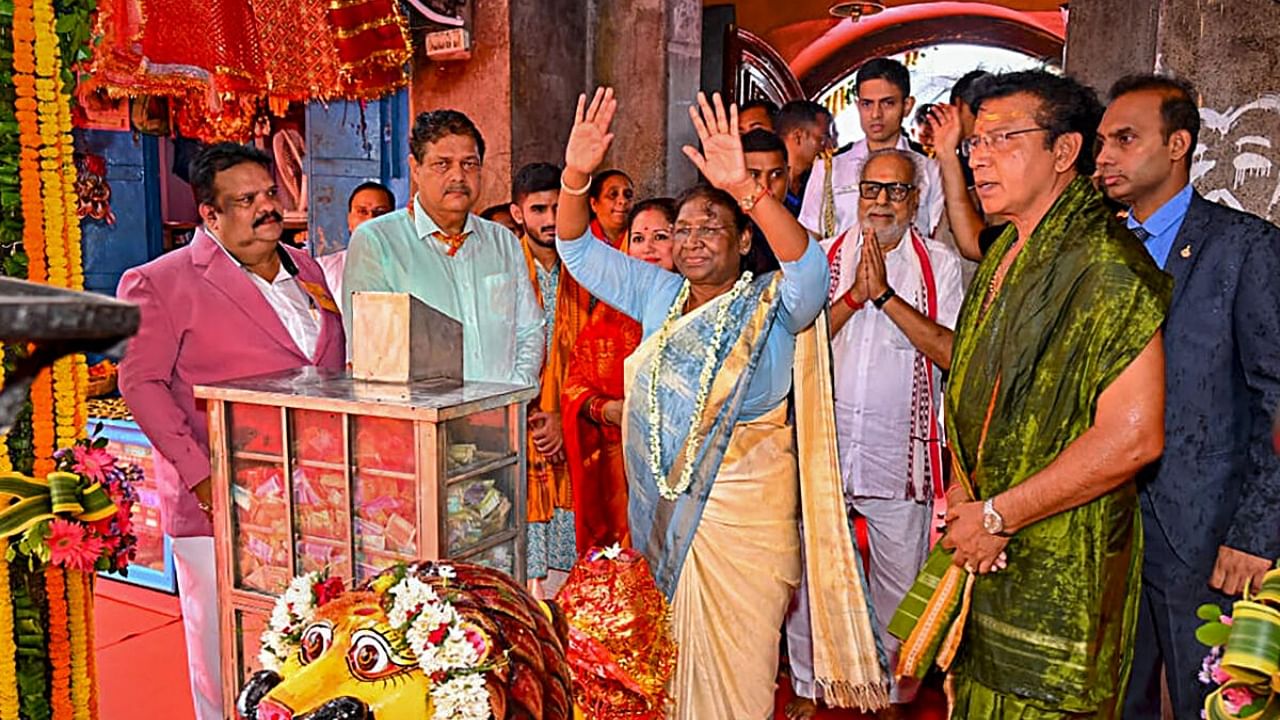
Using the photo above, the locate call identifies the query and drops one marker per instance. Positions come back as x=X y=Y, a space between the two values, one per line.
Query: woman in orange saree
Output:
x=592 y=399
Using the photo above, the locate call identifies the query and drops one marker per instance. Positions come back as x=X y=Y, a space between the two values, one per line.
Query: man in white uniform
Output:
x=884 y=100
x=895 y=298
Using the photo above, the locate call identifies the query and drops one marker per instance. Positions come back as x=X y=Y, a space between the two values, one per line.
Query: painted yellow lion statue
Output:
x=425 y=641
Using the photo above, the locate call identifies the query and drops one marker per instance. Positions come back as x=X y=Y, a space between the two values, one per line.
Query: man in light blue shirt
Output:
x=467 y=267
x=1211 y=504
x=1161 y=227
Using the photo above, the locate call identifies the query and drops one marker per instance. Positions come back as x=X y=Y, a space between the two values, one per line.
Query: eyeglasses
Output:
x=870 y=190
x=705 y=233
x=995 y=142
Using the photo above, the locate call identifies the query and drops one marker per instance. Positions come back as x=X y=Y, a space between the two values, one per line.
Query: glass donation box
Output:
x=313 y=470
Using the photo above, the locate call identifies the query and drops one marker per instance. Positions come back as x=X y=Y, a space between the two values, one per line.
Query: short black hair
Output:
x=963 y=89
x=923 y=112
x=761 y=140
x=797 y=113
x=213 y=159
x=1178 y=109
x=1066 y=106
x=770 y=107
x=371 y=185
x=533 y=178
x=492 y=211
x=432 y=125
x=664 y=205
x=883 y=68
x=597 y=182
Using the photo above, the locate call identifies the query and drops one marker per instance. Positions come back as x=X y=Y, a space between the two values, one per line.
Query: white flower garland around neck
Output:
x=293 y=612
x=693 y=442
x=452 y=652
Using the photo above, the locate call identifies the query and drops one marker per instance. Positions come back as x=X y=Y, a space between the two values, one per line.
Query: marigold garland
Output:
x=42 y=428
x=6 y=465
x=25 y=112
x=59 y=644
x=9 y=708
x=77 y=610
x=51 y=228
x=64 y=401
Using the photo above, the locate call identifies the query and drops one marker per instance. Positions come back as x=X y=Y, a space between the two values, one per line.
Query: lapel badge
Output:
x=1186 y=252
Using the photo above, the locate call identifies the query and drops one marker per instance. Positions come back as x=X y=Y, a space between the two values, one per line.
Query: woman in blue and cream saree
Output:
x=716 y=488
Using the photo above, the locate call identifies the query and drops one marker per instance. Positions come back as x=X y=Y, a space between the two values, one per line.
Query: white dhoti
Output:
x=898 y=531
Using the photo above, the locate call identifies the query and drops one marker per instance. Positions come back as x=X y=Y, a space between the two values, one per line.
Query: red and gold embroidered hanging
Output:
x=215 y=53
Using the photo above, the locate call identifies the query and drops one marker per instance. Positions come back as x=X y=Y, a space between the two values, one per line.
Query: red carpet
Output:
x=142 y=657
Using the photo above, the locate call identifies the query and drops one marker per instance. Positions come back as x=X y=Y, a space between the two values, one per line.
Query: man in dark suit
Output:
x=1211 y=505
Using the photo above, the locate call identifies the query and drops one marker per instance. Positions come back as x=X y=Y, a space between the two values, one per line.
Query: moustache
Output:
x=268 y=216
x=458 y=189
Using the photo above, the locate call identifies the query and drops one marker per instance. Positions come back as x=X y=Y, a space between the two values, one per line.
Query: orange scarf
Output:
x=549 y=485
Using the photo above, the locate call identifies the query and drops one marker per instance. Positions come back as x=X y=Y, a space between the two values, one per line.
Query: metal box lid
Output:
x=311 y=388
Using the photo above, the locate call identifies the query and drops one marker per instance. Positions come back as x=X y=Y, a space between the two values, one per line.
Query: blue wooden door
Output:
x=108 y=250
x=349 y=143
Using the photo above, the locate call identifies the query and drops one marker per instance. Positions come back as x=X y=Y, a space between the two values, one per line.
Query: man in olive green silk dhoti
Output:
x=1056 y=400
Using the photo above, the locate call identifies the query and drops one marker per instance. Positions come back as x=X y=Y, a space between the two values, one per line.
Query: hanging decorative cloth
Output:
x=281 y=50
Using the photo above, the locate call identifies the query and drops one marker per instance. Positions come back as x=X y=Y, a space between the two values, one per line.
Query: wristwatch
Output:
x=749 y=202
x=886 y=297
x=992 y=520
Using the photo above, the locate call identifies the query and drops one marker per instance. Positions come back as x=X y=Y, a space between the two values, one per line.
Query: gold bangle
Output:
x=577 y=192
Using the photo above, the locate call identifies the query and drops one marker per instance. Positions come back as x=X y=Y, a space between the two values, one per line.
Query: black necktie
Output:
x=1141 y=233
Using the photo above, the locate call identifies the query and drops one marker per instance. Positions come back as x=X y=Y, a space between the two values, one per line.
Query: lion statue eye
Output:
x=315 y=640
x=371 y=657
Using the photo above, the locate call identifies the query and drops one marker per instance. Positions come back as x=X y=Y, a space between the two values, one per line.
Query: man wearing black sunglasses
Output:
x=895 y=297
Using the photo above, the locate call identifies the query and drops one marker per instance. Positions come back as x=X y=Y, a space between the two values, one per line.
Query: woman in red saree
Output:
x=610 y=198
x=591 y=408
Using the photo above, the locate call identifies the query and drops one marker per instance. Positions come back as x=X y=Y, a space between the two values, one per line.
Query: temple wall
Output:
x=1230 y=50
x=529 y=62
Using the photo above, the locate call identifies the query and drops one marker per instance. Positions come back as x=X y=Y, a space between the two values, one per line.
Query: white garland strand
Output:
x=292 y=613
x=693 y=443
x=442 y=642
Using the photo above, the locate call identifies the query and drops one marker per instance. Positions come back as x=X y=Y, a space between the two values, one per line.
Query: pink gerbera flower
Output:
x=92 y=463
x=69 y=547
x=1236 y=699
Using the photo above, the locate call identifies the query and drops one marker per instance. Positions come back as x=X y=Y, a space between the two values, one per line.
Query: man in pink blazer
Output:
x=235 y=303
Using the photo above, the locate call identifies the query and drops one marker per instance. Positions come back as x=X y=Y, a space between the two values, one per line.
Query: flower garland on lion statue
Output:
x=455 y=641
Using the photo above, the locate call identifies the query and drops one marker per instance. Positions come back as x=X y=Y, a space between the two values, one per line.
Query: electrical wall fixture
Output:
x=855 y=11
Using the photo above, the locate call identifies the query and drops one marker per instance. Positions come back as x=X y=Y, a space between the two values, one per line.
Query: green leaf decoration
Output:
x=1209 y=612
x=1213 y=634
x=1254 y=707
x=29 y=619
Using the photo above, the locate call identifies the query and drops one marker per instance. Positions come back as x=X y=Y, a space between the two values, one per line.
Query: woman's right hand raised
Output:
x=590 y=138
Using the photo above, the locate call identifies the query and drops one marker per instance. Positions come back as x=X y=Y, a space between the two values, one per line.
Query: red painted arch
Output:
x=906 y=26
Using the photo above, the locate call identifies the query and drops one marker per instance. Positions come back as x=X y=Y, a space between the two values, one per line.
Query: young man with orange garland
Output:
x=566 y=306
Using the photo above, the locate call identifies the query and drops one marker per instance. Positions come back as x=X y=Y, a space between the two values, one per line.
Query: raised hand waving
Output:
x=721 y=160
x=590 y=138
